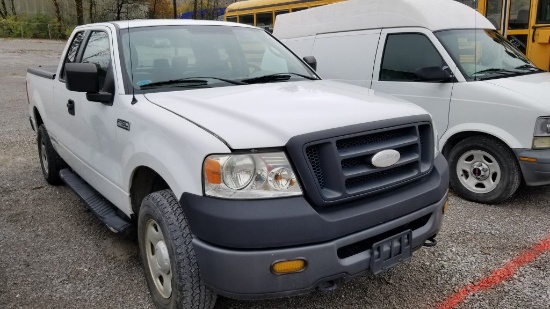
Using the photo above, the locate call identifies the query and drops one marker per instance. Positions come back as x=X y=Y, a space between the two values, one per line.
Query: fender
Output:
x=497 y=132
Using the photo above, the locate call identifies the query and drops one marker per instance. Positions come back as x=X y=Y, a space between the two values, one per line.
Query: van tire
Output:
x=50 y=161
x=483 y=170
x=160 y=212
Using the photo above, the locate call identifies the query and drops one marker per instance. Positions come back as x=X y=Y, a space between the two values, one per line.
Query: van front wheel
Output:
x=483 y=170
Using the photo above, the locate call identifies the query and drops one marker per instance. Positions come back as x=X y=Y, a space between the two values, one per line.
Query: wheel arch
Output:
x=458 y=133
x=37 y=117
x=143 y=182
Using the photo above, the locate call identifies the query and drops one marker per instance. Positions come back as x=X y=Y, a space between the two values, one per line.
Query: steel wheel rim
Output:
x=158 y=258
x=44 y=156
x=478 y=171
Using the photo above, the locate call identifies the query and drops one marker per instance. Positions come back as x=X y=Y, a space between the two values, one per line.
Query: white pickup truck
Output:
x=244 y=174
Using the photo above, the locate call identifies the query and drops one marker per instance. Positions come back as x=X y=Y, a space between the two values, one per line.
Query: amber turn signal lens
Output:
x=212 y=171
x=527 y=159
x=288 y=267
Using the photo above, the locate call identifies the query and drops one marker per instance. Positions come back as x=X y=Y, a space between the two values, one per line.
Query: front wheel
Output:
x=167 y=255
x=483 y=170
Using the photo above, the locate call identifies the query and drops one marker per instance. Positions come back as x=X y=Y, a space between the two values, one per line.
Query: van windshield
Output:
x=165 y=58
x=484 y=54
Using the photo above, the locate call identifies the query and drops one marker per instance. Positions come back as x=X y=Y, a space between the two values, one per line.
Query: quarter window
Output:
x=405 y=53
x=98 y=52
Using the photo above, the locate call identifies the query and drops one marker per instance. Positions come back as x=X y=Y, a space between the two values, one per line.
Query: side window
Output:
x=98 y=52
x=543 y=14
x=73 y=50
x=406 y=52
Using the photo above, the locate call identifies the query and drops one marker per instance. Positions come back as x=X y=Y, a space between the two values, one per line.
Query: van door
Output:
x=401 y=53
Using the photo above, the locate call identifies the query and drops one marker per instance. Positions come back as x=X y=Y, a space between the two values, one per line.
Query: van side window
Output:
x=98 y=52
x=73 y=50
x=406 y=52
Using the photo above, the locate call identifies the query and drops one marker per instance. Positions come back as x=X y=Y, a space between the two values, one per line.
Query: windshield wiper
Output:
x=495 y=71
x=275 y=77
x=190 y=82
x=528 y=67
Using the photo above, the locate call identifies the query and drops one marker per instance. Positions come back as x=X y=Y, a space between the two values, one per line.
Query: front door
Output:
x=400 y=54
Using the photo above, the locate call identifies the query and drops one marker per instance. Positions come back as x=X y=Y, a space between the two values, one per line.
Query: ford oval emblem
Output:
x=385 y=158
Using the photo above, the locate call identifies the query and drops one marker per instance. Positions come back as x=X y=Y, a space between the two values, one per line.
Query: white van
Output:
x=490 y=104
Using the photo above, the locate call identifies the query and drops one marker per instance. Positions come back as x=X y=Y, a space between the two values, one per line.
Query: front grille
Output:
x=342 y=168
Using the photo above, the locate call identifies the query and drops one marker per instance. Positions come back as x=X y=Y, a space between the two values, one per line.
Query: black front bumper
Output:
x=535 y=173
x=246 y=274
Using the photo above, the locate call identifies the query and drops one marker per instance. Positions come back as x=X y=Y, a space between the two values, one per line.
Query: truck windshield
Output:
x=484 y=54
x=184 y=57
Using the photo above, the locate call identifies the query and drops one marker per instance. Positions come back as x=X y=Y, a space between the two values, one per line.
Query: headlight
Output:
x=249 y=176
x=541 y=136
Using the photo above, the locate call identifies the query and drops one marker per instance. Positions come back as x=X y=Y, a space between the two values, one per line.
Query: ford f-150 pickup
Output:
x=241 y=171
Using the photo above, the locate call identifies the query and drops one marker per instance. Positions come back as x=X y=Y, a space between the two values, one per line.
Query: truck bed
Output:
x=46 y=71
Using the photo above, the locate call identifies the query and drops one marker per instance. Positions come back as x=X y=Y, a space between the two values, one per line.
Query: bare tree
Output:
x=79 y=12
x=13 y=9
x=3 y=9
x=57 y=12
x=92 y=5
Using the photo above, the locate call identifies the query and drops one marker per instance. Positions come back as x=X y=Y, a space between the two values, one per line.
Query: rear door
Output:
x=400 y=53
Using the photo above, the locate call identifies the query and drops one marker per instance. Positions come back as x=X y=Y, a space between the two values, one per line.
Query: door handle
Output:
x=70 y=107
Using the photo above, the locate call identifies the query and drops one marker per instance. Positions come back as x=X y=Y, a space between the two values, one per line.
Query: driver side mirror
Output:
x=433 y=74
x=84 y=77
x=311 y=61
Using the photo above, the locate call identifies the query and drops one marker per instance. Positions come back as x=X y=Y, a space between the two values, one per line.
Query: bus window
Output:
x=277 y=13
x=494 y=12
x=543 y=15
x=298 y=9
x=264 y=20
x=247 y=19
x=519 y=14
x=232 y=19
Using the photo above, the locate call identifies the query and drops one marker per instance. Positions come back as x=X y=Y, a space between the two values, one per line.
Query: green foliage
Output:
x=39 y=26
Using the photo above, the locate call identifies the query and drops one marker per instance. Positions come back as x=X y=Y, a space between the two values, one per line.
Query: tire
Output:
x=167 y=255
x=483 y=170
x=50 y=161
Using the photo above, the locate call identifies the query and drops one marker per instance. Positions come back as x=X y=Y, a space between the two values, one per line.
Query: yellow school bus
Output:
x=262 y=13
x=526 y=23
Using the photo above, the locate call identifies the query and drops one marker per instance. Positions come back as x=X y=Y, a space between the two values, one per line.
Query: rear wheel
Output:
x=50 y=162
x=484 y=170
x=167 y=255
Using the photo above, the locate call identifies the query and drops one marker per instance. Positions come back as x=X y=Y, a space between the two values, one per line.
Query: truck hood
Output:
x=534 y=86
x=268 y=115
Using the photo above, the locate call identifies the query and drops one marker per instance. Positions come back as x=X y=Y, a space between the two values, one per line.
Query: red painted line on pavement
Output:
x=497 y=276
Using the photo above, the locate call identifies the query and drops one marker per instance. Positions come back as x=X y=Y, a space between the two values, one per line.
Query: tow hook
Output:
x=431 y=242
x=327 y=286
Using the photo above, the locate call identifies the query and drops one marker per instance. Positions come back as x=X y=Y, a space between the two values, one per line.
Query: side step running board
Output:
x=96 y=203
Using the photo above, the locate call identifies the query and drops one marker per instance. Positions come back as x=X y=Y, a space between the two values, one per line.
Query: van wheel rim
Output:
x=478 y=171
x=44 y=156
x=158 y=258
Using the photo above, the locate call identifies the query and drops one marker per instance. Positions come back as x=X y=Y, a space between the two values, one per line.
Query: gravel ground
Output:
x=55 y=254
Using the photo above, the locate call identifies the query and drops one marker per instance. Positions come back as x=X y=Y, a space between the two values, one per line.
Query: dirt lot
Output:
x=55 y=254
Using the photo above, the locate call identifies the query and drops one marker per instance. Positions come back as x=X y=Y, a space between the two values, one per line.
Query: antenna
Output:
x=134 y=100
